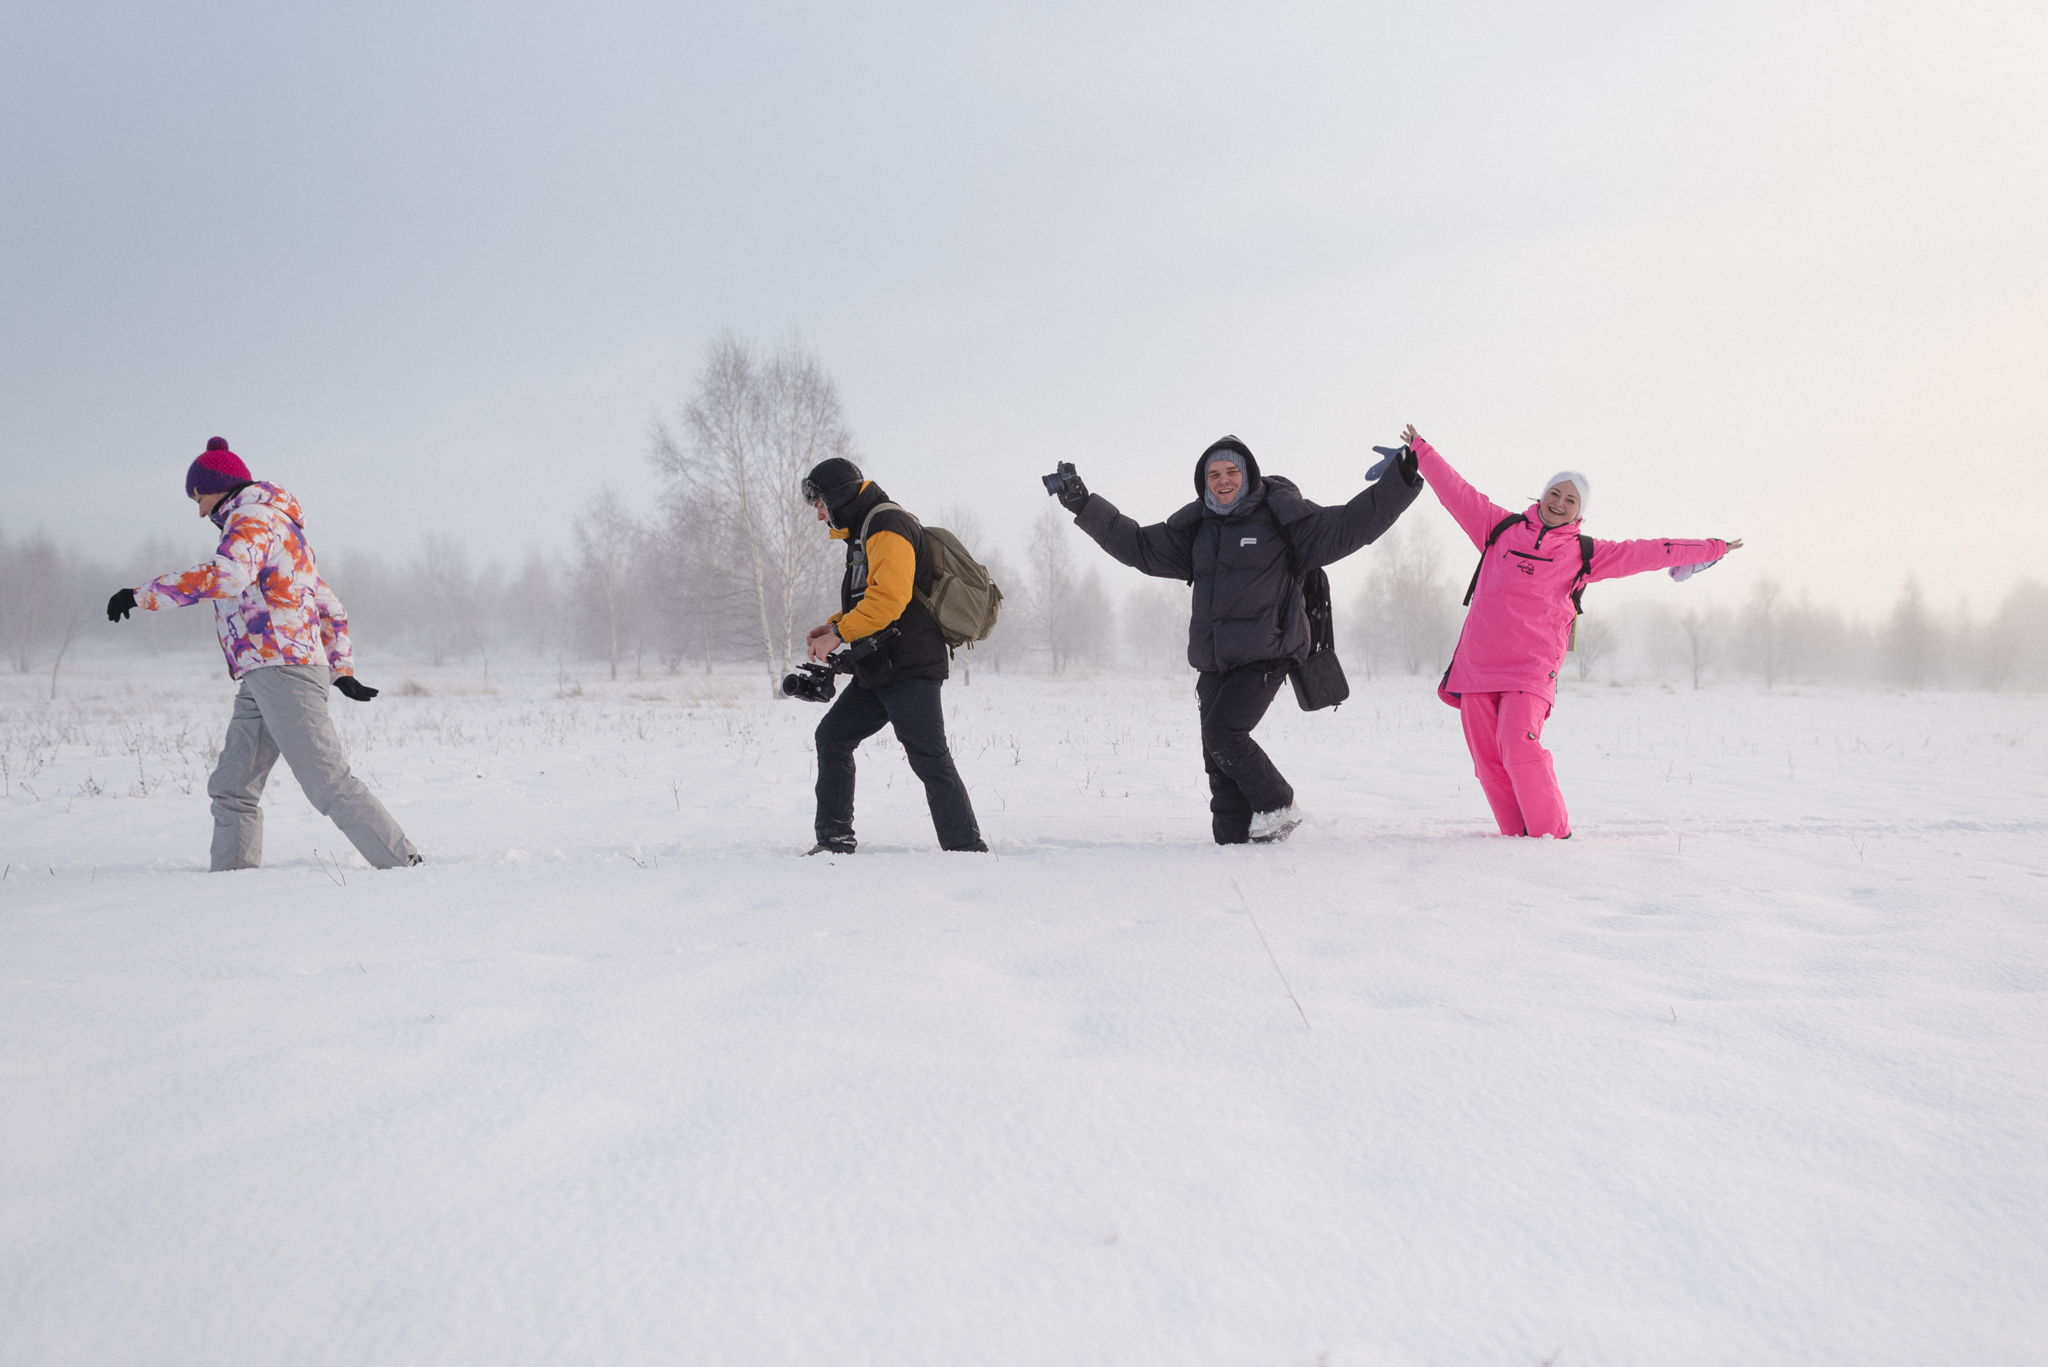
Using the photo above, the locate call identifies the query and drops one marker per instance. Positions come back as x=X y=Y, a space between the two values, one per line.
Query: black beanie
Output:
x=836 y=481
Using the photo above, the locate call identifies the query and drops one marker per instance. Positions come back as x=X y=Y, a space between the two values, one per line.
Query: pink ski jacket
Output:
x=1520 y=621
x=270 y=605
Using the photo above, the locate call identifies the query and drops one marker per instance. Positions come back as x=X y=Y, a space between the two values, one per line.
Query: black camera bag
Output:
x=1318 y=680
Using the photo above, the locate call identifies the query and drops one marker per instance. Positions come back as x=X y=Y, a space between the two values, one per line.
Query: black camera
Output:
x=814 y=682
x=811 y=682
x=1061 y=479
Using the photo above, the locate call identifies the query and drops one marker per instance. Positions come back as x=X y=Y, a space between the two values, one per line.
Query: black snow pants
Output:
x=912 y=707
x=1242 y=779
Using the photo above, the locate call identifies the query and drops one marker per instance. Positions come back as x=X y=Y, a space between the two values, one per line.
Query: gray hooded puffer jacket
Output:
x=1246 y=564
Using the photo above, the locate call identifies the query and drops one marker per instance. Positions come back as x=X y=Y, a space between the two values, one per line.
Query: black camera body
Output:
x=814 y=682
x=1061 y=479
x=811 y=682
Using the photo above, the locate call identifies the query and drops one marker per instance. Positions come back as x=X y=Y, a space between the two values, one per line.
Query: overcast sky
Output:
x=1770 y=270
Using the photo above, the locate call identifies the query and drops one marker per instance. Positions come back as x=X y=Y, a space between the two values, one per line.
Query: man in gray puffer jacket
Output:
x=1244 y=544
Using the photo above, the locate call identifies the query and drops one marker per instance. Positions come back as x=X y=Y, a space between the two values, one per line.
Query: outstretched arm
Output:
x=233 y=568
x=1327 y=535
x=1162 y=549
x=1618 y=559
x=1475 y=514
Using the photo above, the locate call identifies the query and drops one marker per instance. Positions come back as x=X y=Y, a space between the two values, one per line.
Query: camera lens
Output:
x=813 y=684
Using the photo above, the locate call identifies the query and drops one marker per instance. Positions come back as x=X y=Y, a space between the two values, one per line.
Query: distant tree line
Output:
x=728 y=567
x=639 y=592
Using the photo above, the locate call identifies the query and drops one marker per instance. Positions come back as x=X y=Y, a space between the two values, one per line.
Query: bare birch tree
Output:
x=1408 y=615
x=1699 y=637
x=446 y=604
x=48 y=598
x=606 y=537
x=1052 y=598
x=1763 y=634
x=1155 y=632
x=532 y=603
x=32 y=572
x=1592 y=641
x=1910 y=641
x=2011 y=654
x=750 y=433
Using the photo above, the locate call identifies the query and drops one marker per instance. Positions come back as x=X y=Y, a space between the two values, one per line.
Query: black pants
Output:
x=1242 y=779
x=912 y=707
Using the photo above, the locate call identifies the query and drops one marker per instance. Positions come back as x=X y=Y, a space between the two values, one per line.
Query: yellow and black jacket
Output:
x=883 y=579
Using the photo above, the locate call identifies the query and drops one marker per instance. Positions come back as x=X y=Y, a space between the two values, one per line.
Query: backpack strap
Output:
x=1510 y=520
x=1314 y=586
x=922 y=563
x=881 y=508
x=915 y=521
x=1287 y=540
x=1578 y=585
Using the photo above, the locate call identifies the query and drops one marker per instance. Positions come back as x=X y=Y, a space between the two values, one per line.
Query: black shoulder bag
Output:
x=1318 y=680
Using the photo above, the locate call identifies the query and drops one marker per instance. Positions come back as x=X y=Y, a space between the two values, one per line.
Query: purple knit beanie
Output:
x=216 y=471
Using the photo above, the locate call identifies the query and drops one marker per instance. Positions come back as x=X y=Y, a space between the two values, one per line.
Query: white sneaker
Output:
x=1277 y=824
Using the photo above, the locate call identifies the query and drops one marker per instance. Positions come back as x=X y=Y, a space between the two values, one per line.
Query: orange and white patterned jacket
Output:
x=270 y=605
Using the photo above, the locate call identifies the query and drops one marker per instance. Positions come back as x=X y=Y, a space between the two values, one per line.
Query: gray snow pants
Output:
x=282 y=710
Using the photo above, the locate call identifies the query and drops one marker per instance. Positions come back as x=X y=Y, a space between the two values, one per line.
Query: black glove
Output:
x=1066 y=486
x=120 y=605
x=353 y=688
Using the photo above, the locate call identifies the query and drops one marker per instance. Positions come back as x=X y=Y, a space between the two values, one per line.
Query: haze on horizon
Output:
x=1761 y=271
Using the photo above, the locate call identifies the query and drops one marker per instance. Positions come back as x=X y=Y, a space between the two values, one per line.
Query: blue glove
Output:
x=1401 y=456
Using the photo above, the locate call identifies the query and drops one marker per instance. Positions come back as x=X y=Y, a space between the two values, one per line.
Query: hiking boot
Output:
x=1276 y=825
x=837 y=844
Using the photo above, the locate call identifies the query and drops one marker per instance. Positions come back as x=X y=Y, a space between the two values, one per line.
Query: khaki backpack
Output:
x=963 y=599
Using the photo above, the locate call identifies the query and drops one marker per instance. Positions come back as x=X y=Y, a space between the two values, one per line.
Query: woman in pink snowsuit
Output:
x=1503 y=676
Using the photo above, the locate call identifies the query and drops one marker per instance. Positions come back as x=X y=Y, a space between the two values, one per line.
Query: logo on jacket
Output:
x=1526 y=567
x=1244 y=541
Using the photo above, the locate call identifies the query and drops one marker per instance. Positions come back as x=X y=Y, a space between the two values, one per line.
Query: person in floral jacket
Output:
x=285 y=635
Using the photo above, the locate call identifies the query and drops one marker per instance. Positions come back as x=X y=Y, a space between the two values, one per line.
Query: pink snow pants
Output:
x=1504 y=733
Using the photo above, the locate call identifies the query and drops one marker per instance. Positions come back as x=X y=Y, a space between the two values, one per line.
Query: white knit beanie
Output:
x=1577 y=481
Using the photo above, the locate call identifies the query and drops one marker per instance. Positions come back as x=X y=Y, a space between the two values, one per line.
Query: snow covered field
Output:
x=1753 y=1071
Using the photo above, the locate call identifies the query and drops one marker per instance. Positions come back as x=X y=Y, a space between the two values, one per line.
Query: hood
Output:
x=838 y=514
x=1236 y=448
x=846 y=518
x=260 y=492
